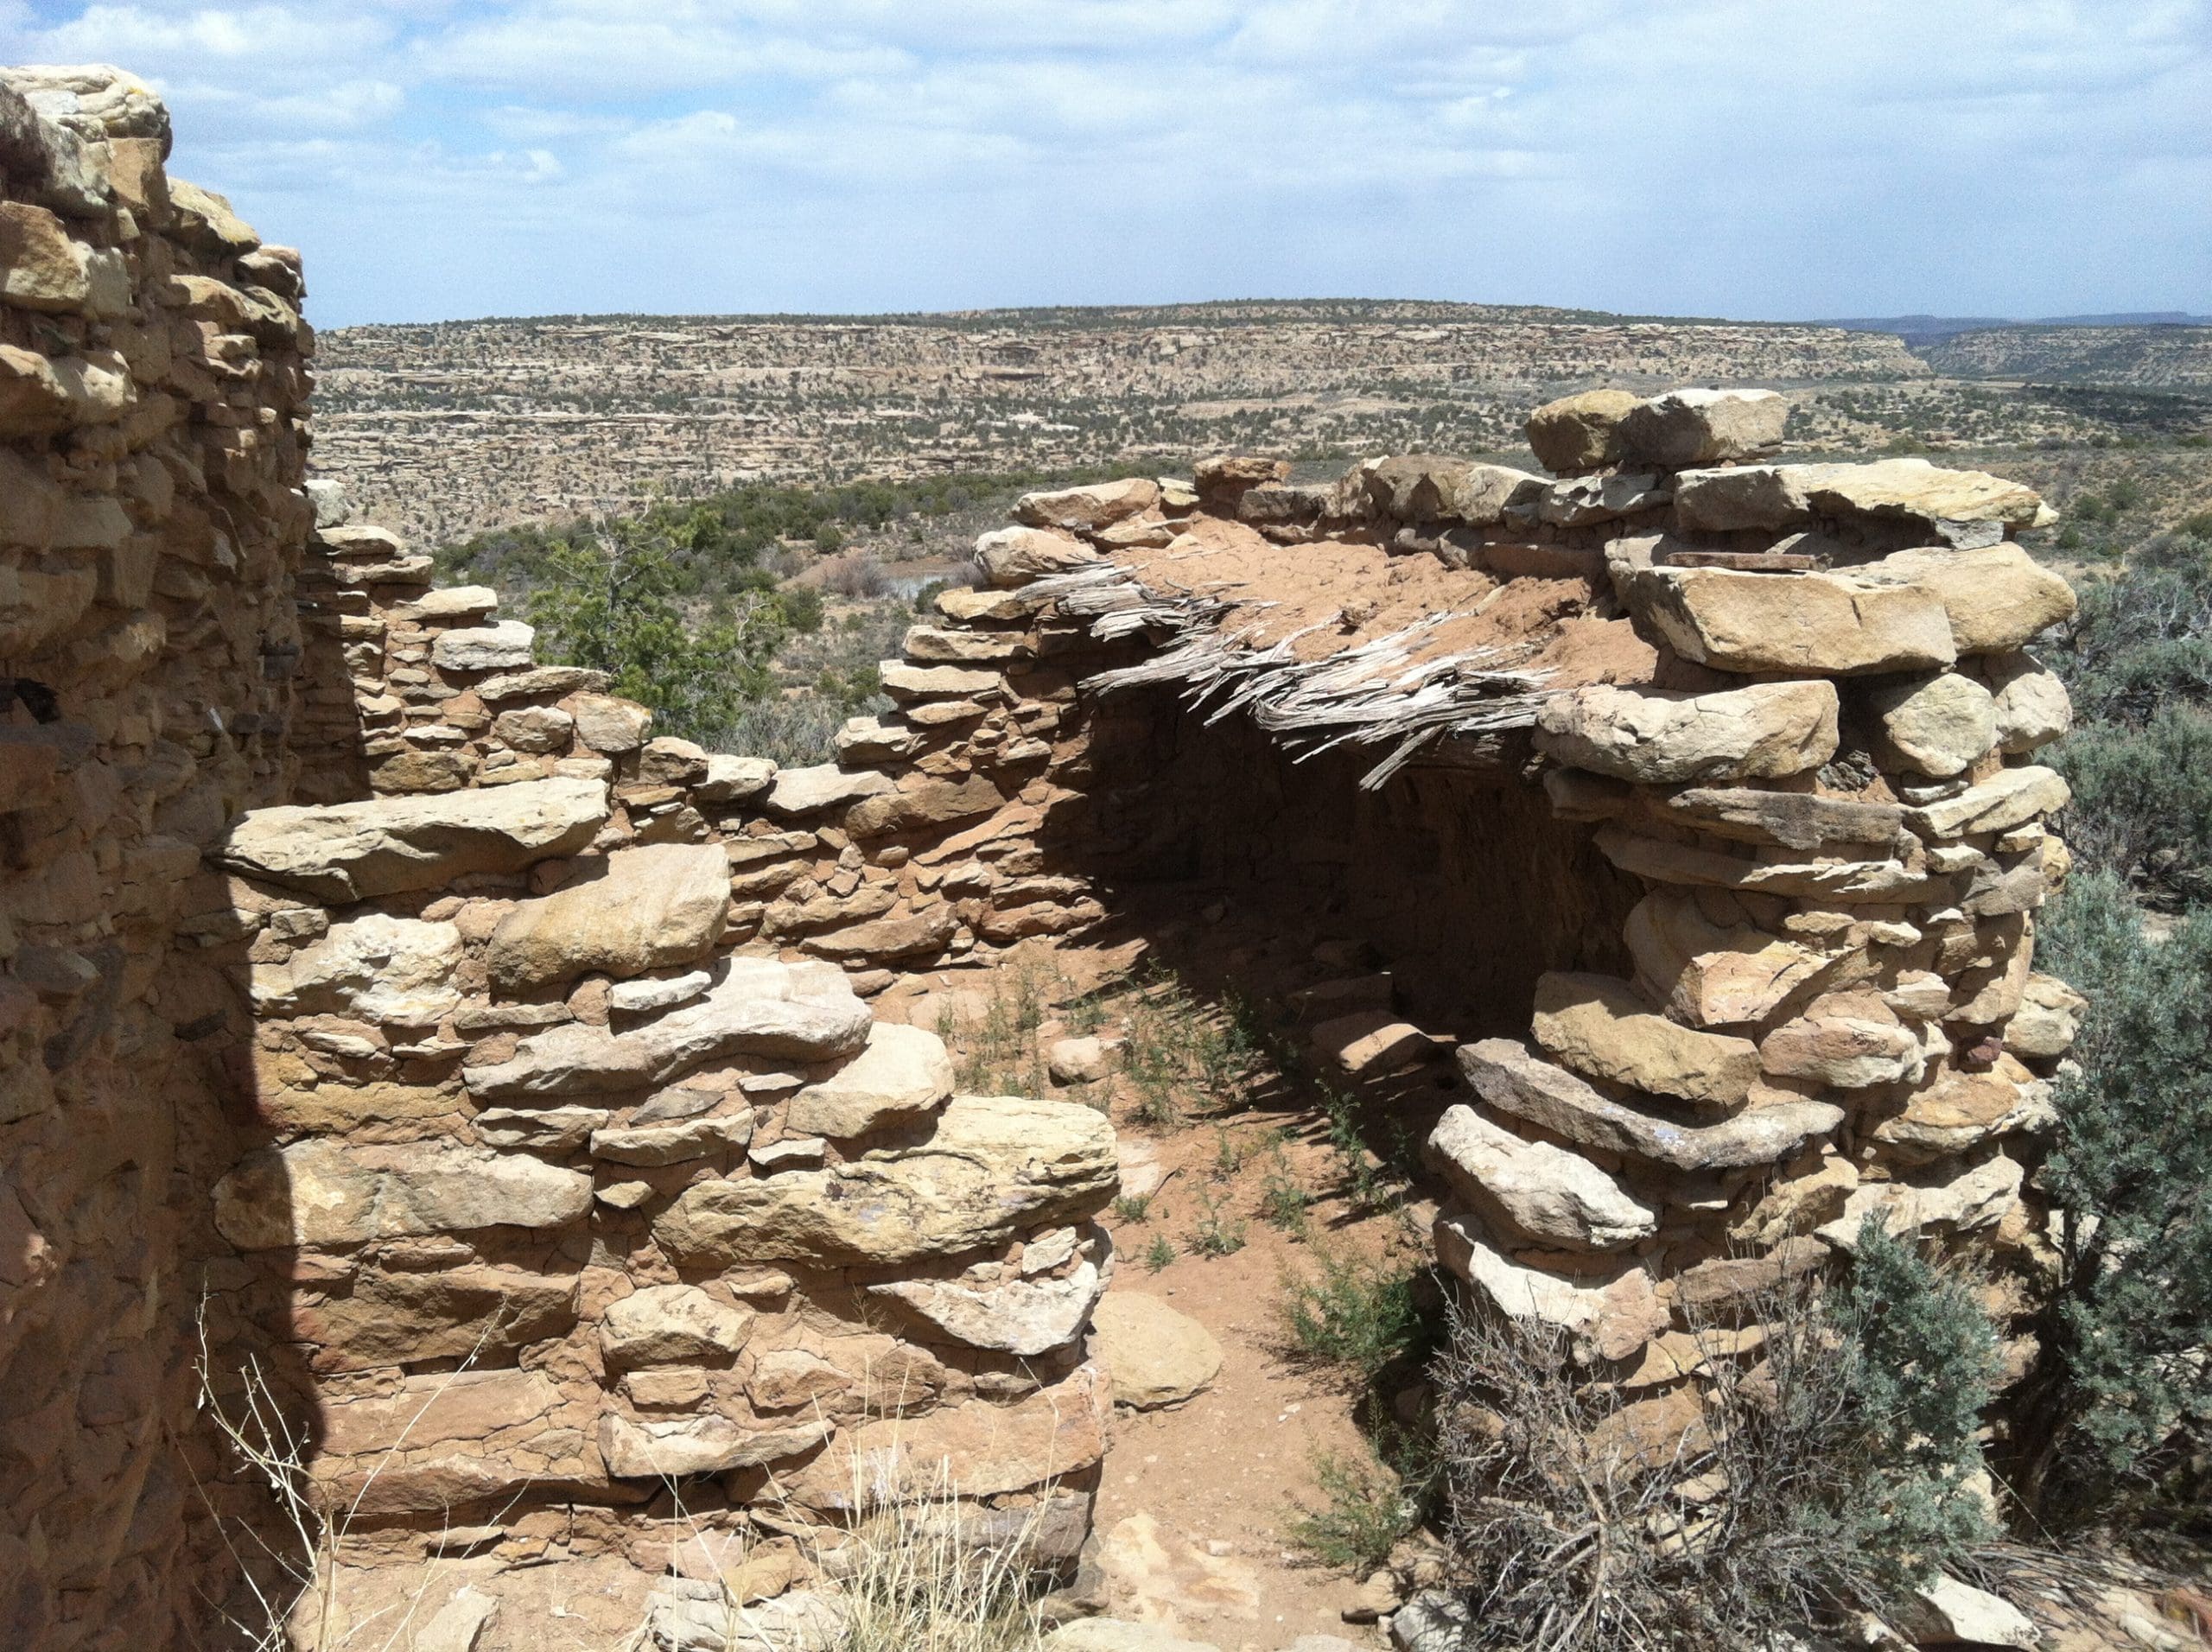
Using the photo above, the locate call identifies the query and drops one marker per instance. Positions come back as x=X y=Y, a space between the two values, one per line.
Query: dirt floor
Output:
x=1198 y=1505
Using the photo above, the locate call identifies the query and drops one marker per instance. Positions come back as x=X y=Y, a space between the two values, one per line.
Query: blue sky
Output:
x=1756 y=158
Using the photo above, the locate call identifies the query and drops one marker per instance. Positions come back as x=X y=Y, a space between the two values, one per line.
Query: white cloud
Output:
x=1708 y=155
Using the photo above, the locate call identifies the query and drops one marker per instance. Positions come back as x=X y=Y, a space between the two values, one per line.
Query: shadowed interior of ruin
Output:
x=1457 y=879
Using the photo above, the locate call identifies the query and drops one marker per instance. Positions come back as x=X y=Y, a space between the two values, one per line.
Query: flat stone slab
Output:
x=1508 y=1078
x=1833 y=625
x=358 y=851
x=803 y=1012
x=1659 y=736
x=322 y=1192
x=993 y=1167
x=903 y=1074
x=1598 y=1025
x=1157 y=1356
x=1024 y=1316
x=1544 y=1194
x=1611 y=1315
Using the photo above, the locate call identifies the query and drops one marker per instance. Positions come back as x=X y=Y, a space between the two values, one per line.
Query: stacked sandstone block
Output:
x=909 y=848
x=1838 y=820
x=571 y=1192
x=153 y=377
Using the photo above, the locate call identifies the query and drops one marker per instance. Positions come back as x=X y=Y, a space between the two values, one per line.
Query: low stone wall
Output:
x=520 y=1005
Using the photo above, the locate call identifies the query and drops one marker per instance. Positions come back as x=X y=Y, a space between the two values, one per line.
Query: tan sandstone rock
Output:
x=656 y=906
x=1580 y=432
x=2031 y=706
x=1599 y=1026
x=672 y=1324
x=1837 y=625
x=1996 y=597
x=1939 y=724
x=1086 y=510
x=992 y=1167
x=757 y=1006
x=322 y=1191
x=1157 y=1356
x=1508 y=1078
x=1848 y=1040
x=1023 y=1317
x=1683 y=428
x=394 y=971
x=1905 y=491
x=1608 y=1315
x=2011 y=799
x=1661 y=736
x=357 y=851
x=1542 y=1193
x=983 y=1449
x=1714 y=971
x=902 y=1074
x=1019 y=555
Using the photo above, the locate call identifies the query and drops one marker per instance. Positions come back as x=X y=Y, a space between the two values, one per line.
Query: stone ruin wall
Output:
x=515 y=1093
x=153 y=383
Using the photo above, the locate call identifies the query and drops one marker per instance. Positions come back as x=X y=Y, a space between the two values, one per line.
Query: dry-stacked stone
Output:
x=1832 y=1011
x=507 y=1088
x=153 y=377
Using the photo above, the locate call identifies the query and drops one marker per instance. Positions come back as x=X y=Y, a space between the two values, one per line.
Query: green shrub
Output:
x=2125 y=1367
x=2142 y=804
x=1217 y=1233
x=1921 y=1363
x=1368 y=1500
x=1353 y=1311
x=610 y=604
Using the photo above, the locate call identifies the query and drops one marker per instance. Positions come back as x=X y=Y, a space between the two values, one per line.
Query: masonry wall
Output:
x=501 y=1081
x=153 y=376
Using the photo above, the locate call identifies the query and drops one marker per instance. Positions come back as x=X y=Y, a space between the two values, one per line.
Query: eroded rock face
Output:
x=990 y=1167
x=757 y=1006
x=658 y=906
x=356 y=851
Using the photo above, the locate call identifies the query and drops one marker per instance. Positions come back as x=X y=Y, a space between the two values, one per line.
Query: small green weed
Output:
x=1366 y=1506
x=1159 y=1253
x=1217 y=1234
x=1368 y=1185
x=1284 y=1200
x=1133 y=1207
